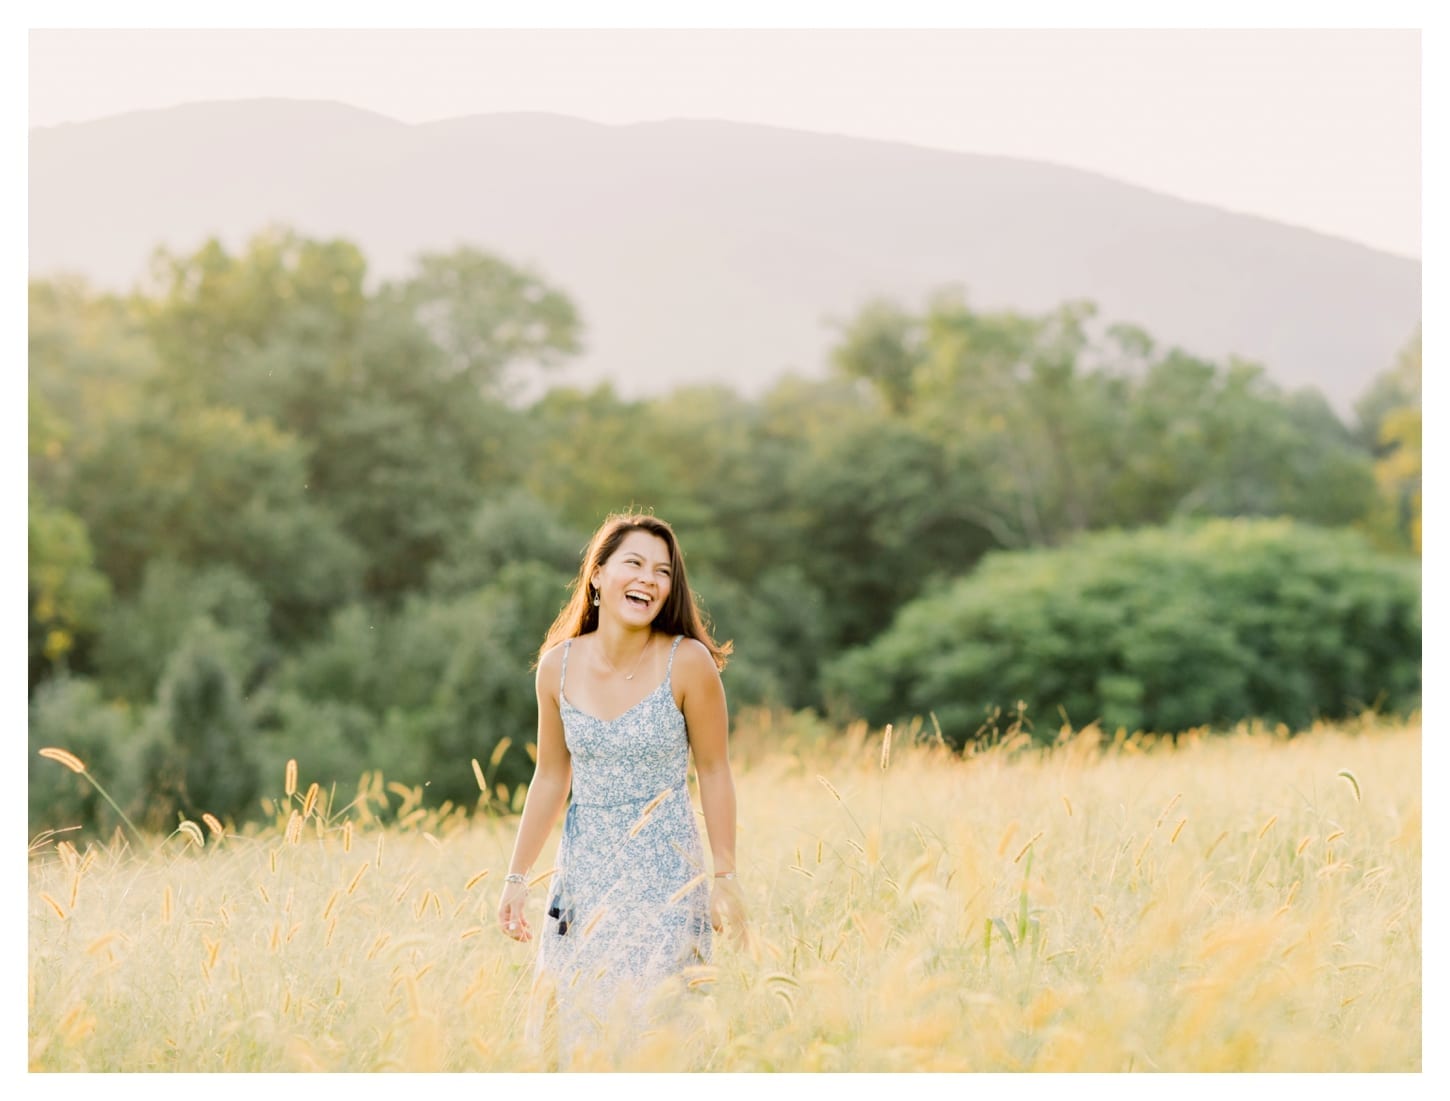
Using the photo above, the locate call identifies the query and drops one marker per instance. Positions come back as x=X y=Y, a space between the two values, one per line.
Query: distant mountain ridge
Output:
x=703 y=251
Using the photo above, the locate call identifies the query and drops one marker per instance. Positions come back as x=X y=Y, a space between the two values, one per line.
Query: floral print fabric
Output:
x=628 y=906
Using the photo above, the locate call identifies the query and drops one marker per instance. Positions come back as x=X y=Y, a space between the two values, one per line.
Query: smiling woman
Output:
x=630 y=903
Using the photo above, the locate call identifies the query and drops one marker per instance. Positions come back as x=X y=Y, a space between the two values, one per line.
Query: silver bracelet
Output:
x=516 y=877
x=724 y=875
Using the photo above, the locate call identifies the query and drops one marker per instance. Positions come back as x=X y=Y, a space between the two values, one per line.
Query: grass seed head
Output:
x=71 y=761
x=310 y=801
x=1031 y=841
x=1343 y=773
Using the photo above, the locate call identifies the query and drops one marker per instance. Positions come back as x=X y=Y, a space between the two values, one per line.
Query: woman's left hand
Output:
x=727 y=909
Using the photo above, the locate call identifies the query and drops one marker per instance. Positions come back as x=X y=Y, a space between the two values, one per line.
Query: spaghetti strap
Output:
x=671 y=663
x=564 y=665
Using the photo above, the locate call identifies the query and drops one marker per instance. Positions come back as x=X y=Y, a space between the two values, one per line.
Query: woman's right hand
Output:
x=511 y=912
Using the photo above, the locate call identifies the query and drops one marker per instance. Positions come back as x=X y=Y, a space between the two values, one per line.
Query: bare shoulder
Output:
x=695 y=662
x=551 y=664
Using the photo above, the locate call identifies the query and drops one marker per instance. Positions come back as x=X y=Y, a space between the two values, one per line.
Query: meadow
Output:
x=1241 y=901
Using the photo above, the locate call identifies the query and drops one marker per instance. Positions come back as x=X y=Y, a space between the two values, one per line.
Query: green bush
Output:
x=199 y=755
x=1158 y=629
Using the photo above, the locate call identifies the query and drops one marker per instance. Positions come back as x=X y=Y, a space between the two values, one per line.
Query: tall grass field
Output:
x=1246 y=901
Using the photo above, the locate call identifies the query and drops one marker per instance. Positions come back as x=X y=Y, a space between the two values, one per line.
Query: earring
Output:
x=596 y=598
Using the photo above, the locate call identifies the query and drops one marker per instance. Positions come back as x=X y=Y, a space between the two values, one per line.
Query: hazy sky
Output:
x=1317 y=128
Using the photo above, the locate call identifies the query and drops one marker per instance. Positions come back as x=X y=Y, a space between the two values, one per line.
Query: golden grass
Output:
x=1236 y=903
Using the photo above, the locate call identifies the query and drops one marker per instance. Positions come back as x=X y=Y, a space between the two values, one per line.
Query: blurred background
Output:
x=1047 y=378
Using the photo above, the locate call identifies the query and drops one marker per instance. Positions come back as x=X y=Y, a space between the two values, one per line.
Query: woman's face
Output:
x=635 y=580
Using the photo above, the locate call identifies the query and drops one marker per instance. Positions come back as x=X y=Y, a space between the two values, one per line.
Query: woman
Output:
x=628 y=687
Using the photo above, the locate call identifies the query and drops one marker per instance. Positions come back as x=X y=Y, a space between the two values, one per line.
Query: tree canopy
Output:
x=278 y=512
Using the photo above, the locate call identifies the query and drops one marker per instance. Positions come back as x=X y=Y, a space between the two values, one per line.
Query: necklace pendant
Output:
x=629 y=677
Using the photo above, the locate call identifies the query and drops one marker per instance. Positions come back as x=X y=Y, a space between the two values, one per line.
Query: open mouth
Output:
x=639 y=600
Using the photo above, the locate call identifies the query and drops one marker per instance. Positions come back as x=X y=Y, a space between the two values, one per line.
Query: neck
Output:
x=621 y=644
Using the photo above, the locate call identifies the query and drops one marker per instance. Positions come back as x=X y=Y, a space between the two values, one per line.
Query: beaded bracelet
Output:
x=516 y=877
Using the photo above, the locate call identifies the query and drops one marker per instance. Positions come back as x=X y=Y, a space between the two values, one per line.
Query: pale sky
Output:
x=1312 y=127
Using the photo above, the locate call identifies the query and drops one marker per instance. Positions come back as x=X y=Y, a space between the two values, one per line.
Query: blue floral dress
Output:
x=628 y=905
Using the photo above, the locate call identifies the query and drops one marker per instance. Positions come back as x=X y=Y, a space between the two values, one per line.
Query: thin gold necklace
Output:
x=632 y=672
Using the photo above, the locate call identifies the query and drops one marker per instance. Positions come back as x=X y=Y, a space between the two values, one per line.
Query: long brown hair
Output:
x=681 y=614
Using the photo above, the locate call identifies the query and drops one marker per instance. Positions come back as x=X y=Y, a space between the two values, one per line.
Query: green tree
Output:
x=399 y=399
x=1390 y=421
x=67 y=594
x=211 y=487
x=486 y=316
x=89 y=361
x=205 y=309
x=513 y=528
x=139 y=635
x=885 y=511
x=883 y=346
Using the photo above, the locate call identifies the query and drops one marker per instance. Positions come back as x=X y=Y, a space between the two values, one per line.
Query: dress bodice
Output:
x=630 y=758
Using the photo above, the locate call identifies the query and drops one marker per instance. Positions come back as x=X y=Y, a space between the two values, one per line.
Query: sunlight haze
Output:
x=1314 y=128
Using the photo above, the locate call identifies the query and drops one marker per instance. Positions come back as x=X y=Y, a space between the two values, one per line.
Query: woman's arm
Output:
x=707 y=721
x=545 y=799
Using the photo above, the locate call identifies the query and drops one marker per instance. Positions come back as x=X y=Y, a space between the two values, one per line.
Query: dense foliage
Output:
x=276 y=512
x=1160 y=629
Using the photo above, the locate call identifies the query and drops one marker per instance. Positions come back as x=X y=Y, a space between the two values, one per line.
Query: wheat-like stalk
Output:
x=289 y=783
x=76 y=765
x=649 y=809
x=594 y=920
x=686 y=889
